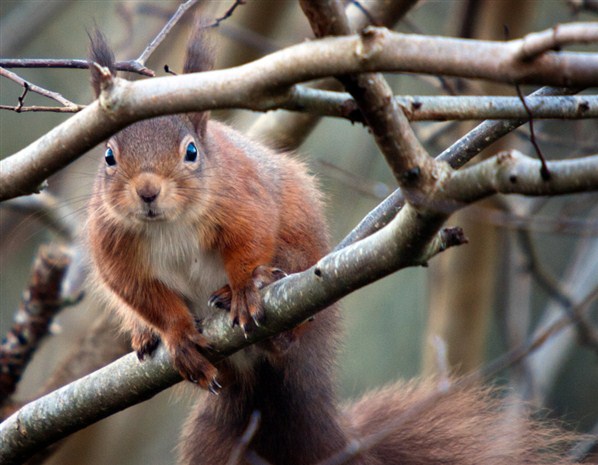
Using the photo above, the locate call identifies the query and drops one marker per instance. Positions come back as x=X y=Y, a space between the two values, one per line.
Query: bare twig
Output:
x=534 y=44
x=255 y=84
x=227 y=14
x=444 y=108
x=456 y=156
x=409 y=161
x=544 y=169
x=155 y=43
x=128 y=66
x=587 y=335
x=39 y=108
x=38 y=90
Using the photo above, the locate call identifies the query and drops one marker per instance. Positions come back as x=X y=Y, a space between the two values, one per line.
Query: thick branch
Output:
x=515 y=173
x=259 y=82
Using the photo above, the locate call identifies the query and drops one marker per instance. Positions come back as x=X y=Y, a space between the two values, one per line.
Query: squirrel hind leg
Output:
x=144 y=341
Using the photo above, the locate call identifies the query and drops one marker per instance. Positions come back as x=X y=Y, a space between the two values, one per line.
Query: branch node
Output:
x=371 y=43
x=106 y=78
x=411 y=176
x=453 y=236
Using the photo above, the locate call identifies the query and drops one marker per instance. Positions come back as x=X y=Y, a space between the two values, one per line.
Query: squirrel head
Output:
x=154 y=170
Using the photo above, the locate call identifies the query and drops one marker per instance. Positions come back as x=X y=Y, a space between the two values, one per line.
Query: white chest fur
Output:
x=178 y=261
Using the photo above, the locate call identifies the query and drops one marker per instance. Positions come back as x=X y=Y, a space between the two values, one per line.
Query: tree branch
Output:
x=40 y=304
x=38 y=90
x=130 y=66
x=456 y=156
x=155 y=43
x=426 y=108
x=264 y=83
x=515 y=173
x=536 y=43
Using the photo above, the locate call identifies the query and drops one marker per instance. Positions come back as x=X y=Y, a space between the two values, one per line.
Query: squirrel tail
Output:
x=415 y=424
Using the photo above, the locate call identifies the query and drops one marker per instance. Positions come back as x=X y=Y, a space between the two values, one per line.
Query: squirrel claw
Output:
x=221 y=298
x=144 y=342
x=214 y=387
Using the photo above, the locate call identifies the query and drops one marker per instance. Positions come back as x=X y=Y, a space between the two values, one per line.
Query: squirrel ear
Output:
x=200 y=122
x=199 y=58
x=100 y=53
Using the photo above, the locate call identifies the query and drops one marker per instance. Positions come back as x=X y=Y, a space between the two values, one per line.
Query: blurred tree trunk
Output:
x=461 y=284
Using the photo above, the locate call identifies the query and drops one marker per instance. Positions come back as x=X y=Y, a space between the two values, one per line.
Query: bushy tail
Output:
x=468 y=426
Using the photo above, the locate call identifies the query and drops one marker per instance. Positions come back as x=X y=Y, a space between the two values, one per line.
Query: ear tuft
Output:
x=200 y=57
x=100 y=53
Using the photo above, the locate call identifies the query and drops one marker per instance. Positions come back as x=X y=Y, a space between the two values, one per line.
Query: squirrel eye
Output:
x=191 y=152
x=109 y=157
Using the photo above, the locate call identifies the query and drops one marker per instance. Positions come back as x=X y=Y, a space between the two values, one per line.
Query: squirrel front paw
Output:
x=245 y=304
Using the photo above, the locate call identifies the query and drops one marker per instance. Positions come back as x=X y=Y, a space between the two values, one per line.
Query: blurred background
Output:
x=480 y=299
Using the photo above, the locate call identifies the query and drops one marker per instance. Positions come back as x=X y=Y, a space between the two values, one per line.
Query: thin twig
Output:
x=537 y=43
x=65 y=63
x=21 y=98
x=40 y=108
x=587 y=335
x=167 y=70
x=366 y=13
x=154 y=44
x=227 y=14
x=38 y=90
x=544 y=170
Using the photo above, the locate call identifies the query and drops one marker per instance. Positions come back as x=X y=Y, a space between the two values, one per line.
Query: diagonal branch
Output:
x=289 y=302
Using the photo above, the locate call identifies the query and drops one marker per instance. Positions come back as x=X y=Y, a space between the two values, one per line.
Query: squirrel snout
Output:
x=148 y=193
x=148 y=187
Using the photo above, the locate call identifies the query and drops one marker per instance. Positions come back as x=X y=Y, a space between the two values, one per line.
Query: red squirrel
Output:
x=187 y=211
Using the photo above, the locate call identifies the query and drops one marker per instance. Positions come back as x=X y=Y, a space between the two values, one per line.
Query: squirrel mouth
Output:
x=150 y=214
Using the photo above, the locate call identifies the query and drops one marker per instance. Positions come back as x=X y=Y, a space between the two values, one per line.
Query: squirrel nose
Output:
x=148 y=193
